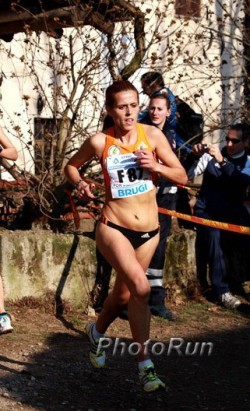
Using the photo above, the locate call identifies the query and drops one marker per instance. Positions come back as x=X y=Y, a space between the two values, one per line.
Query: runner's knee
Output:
x=121 y=299
x=141 y=291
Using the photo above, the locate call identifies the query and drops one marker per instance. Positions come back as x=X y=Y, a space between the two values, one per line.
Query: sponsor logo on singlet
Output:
x=114 y=151
x=142 y=146
x=127 y=192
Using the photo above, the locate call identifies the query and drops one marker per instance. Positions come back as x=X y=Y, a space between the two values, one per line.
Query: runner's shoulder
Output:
x=97 y=140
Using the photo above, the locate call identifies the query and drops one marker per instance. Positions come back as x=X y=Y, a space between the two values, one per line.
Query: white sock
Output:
x=95 y=333
x=144 y=363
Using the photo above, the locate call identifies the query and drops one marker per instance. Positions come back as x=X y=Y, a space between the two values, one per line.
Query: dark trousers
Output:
x=208 y=252
x=210 y=247
x=156 y=266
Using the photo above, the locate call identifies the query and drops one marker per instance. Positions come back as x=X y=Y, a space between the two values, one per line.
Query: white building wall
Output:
x=201 y=58
x=201 y=61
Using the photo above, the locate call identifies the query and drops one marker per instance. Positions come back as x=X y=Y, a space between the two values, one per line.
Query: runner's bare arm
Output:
x=170 y=167
x=7 y=151
x=91 y=148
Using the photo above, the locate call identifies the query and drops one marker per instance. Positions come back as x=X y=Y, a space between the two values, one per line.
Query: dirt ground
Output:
x=44 y=362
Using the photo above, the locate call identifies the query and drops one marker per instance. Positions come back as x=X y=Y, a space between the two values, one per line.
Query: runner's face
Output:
x=125 y=109
x=158 y=111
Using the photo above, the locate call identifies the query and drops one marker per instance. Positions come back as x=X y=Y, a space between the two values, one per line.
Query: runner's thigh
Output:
x=145 y=252
x=129 y=263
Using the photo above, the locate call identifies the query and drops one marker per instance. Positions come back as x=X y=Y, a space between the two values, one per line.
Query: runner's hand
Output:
x=146 y=159
x=84 y=190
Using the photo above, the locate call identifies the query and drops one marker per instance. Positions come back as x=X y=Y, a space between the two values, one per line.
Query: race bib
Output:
x=126 y=178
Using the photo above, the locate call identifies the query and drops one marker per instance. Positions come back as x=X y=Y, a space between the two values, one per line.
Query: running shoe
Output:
x=149 y=379
x=97 y=356
x=5 y=323
x=163 y=312
x=229 y=301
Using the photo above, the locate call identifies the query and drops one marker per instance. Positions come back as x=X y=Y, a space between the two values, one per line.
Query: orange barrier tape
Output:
x=210 y=223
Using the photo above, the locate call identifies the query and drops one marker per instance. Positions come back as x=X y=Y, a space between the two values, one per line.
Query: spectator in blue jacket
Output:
x=153 y=84
x=226 y=178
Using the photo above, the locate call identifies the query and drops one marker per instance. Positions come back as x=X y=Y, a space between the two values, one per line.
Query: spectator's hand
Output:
x=215 y=152
x=212 y=149
x=200 y=149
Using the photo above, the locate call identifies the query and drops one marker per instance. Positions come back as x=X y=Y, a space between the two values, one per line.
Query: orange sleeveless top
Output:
x=121 y=173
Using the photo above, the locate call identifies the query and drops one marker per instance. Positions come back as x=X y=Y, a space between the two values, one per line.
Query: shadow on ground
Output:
x=60 y=377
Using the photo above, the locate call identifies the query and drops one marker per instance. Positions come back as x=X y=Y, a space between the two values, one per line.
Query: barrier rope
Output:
x=74 y=210
x=210 y=223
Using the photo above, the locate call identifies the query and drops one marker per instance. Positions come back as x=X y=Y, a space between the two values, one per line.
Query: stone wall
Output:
x=40 y=262
x=34 y=263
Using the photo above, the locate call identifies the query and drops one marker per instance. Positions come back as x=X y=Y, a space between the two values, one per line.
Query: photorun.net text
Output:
x=174 y=346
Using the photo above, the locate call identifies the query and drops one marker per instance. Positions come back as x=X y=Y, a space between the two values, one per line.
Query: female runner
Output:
x=127 y=234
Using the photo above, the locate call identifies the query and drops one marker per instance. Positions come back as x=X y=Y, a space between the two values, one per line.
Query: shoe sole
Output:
x=231 y=308
x=160 y=387
x=9 y=330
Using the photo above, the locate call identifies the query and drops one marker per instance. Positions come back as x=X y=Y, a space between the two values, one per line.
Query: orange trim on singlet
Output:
x=141 y=143
x=103 y=219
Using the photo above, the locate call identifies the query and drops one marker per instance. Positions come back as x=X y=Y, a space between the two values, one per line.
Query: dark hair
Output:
x=117 y=87
x=244 y=130
x=152 y=78
x=163 y=96
x=107 y=122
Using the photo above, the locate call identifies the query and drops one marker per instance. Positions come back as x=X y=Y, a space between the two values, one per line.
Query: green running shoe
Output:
x=149 y=379
x=97 y=356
